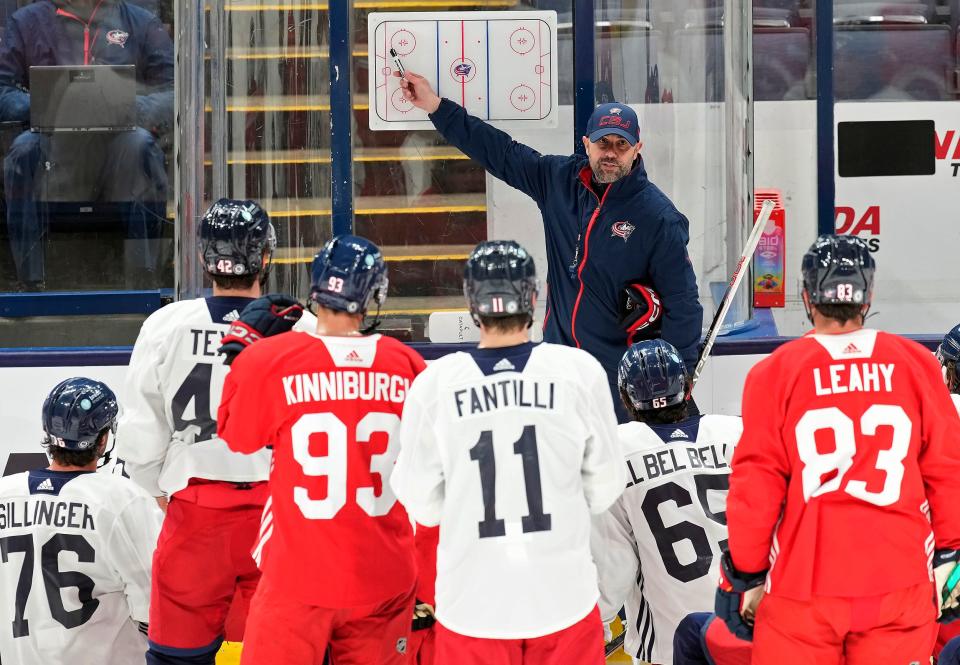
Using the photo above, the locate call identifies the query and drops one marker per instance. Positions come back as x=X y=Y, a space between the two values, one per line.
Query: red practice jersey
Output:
x=848 y=471
x=333 y=533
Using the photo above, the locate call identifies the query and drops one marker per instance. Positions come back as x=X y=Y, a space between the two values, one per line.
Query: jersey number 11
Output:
x=526 y=447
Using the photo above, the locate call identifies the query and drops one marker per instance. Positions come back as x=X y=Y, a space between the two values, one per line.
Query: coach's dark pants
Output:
x=126 y=168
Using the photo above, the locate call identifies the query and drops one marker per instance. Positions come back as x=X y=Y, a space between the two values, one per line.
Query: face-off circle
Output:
x=522 y=41
x=523 y=98
x=403 y=42
x=399 y=102
x=386 y=71
x=463 y=70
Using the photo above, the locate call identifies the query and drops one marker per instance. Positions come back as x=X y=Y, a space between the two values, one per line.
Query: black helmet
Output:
x=348 y=274
x=838 y=270
x=652 y=375
x=76 y=411
x=233 y=237
x=500 y=280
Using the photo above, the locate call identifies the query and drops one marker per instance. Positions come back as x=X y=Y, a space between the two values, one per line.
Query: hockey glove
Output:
x=737 y=597
x=423 y=616
x=641 y=313
x=266 y=316
x=946 y=575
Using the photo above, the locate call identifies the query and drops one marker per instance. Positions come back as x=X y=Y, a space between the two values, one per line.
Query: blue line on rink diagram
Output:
x=498 y=65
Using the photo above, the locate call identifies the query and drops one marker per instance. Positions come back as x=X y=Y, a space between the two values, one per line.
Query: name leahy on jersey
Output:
x=167 y=433
x=658 y=547
x=509 y=450
x=75 y=555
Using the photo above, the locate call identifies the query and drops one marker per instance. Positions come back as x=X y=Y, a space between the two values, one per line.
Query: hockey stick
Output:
x=614 y=644
x=752 y=241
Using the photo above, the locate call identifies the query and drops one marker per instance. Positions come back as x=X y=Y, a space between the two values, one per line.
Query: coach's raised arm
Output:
x=616 y=245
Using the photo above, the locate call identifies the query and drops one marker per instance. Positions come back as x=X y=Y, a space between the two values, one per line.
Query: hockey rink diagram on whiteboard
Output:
x=498 y=65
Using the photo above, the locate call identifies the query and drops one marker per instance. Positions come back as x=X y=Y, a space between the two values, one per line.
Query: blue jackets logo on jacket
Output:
x=118 y=37
x=622 y=229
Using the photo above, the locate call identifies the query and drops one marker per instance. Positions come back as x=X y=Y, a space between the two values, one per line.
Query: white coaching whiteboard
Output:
x=500 y=66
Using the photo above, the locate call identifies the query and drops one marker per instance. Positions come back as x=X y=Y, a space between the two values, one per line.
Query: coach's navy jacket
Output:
x=50 y=32
x=594 y=247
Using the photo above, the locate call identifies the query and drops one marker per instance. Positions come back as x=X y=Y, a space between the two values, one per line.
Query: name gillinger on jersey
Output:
x=503 y=394
x=48 y=513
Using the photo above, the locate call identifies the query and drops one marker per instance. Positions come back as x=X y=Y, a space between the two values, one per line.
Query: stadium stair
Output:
x=420 y=199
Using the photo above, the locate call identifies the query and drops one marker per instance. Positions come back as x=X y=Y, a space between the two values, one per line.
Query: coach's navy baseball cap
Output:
x=616 y=119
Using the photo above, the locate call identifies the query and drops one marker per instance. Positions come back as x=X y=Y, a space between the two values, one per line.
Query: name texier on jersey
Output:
x=167 y=432
x=75 y=558
x=658 y=547
x=509 y=450
x=847 y=475
x=330 y=407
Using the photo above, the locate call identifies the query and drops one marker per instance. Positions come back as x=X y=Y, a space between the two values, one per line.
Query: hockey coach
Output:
x=616 y=245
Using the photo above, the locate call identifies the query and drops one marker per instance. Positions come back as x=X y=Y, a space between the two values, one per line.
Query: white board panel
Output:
x=500 y=66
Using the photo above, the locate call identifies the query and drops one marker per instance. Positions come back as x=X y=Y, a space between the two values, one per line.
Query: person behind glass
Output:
x=614 y=241
x=125 y=167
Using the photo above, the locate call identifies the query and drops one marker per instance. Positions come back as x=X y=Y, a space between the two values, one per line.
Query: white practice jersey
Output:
x=658 y=547
x=510 y=450
x=75 y=555
x=167 y=432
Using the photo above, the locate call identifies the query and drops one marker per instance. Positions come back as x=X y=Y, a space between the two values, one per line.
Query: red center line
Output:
x=463 y=55
x=386 y=85
x=540 y=62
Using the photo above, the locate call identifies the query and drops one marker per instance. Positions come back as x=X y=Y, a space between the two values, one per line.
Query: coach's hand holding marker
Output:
x=418 y=92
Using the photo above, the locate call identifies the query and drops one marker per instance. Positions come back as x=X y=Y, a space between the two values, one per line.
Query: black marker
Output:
x=396 y=61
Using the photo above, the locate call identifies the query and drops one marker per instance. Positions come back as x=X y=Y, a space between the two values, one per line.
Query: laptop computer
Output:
x=87 y=98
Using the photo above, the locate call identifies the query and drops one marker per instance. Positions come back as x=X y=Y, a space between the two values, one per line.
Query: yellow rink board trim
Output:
x=380 y=211
x=425 y=210
x=229 y=653
x=270 y=161
x=389 y=259
x=292 y=53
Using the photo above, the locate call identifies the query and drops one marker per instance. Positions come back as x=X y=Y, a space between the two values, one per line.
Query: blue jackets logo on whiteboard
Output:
x=463 y=69
x=622 y=230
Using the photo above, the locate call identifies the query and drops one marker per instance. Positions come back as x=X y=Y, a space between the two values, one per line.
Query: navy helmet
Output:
x=500 y=279
x=233 y=237
x=348 y=274
x=948 y=353
x=652 y=375
x=76 y=411
x=838 y=270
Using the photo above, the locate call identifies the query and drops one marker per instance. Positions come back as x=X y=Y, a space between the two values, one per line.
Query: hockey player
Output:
x=510 y=448
x=658 y=547
x=329 y=404
x=845 y=482
x=168 y=439
x=948 y=353
x=75 y=545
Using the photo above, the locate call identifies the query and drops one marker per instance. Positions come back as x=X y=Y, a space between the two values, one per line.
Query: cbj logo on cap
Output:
x=615 y=121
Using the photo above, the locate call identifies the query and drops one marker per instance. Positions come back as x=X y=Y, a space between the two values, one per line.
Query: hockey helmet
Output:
x=233 y=237
x=75 y=413
x=500 y=280
x=838 y=270
x=652 y=375
x=348 y=274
